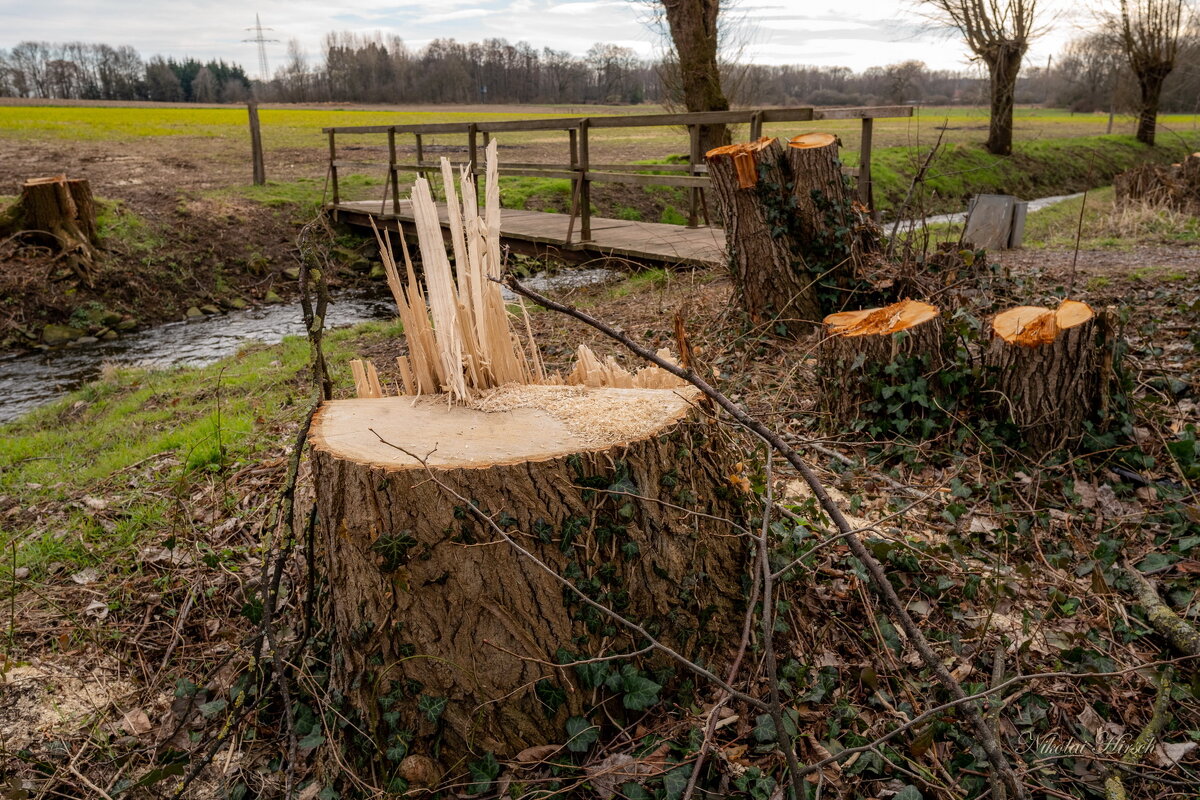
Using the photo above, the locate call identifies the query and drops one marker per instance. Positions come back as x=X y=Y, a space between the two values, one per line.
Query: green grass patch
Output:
x=308 y=193
x=211 y=421
x=1107 y=225
x=552 y=194
x=1038 y=168
x=116 y=223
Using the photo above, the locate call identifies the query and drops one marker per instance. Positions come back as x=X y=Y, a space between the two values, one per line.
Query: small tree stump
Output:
x=1052 y=369
x=774 y=286
x=860 y=345
x=431 y=609
x=834 y=236
x=58 y=213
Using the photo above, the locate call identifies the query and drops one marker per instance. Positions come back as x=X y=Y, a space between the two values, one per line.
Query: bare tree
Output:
x=998 y=32
x=1150 y=31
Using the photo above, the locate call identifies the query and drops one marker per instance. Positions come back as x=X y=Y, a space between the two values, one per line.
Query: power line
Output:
x=261 y=41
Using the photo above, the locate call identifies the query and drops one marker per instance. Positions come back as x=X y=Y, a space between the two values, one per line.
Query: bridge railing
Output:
x=583 y=172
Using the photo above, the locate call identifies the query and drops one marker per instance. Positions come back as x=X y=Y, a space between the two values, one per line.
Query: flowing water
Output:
x=31 y=380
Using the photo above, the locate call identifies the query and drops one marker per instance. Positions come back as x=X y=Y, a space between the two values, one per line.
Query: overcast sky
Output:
x=852 y=33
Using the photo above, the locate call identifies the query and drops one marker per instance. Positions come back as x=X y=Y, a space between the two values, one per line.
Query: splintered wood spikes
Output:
x=461 y=337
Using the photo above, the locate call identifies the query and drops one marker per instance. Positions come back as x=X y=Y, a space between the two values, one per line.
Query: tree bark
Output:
x=1051 y=370
x=773 y=283
x=833 y=234
x=59 y=214
x=859 y=345
x=694 y=34
x=1150 y=83
x=428 y=605
x=1003 y=66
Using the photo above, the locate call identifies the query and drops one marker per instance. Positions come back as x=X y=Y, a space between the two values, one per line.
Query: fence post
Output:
x=256 y=148
x=333 y=167
x=866 y=195
x=393 y=173
x=585 y=184
x=694 y=192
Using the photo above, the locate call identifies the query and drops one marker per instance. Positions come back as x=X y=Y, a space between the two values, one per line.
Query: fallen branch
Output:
x=1174 y=628
x=983 y=731
x=1113 y=788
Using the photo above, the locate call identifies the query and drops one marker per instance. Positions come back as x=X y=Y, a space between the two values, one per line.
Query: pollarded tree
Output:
x=998 y=32
x=695 y=43
x=1150 y=31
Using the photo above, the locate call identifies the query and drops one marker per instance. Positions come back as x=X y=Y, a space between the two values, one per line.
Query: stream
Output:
x=28 y=380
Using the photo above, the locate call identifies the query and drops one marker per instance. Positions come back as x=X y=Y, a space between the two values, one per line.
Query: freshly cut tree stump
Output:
x=859 y=345
x=834 y=235
x=774 y=284
x=429 y=606
x=447 y=634
x=60 y=214
x=1052 y=369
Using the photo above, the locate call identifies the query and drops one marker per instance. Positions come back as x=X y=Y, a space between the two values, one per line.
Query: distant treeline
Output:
x=1090 y=75
x=82 y=71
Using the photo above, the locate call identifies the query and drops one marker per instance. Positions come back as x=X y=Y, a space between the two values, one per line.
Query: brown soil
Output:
x=199 y=246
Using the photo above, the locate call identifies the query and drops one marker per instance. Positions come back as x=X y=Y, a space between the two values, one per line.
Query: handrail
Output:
x=582 y=174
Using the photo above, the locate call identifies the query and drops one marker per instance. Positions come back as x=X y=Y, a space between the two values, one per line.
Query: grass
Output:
x=308 y=193
x=553 y=194
x=1107 y=226
x=189 y=425
x=115 y=221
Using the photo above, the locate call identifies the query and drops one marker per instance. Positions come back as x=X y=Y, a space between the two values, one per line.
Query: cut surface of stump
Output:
x=427 y=600
x=1051 y=369
x=858 y=347
x=774 y=285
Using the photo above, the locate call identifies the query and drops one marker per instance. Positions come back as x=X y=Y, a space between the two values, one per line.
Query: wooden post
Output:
x=866 y=195
x=393 y=173
x=256 y=148
x=756 y=126
x=573 y=137
x=585 y=185
x=333 y=167
x=693 y=193
x=473 y=154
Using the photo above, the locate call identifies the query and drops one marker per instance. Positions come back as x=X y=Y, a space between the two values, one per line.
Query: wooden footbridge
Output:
x=579 y=235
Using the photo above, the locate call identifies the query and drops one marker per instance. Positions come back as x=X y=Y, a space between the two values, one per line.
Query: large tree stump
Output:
x=834 y=235
x=1052 y=369
x=428 y=606
x=774 y=285
x=58 y=213
x=858 y=348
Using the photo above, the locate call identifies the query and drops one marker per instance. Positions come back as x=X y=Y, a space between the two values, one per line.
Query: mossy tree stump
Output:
x=1051 y=370
x=775 y=287
x=445 y=635
x=879 y=357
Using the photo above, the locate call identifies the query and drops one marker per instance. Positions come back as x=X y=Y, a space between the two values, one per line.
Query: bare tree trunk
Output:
x=1150 y=83
x=693 y=25
x=1003 y=67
